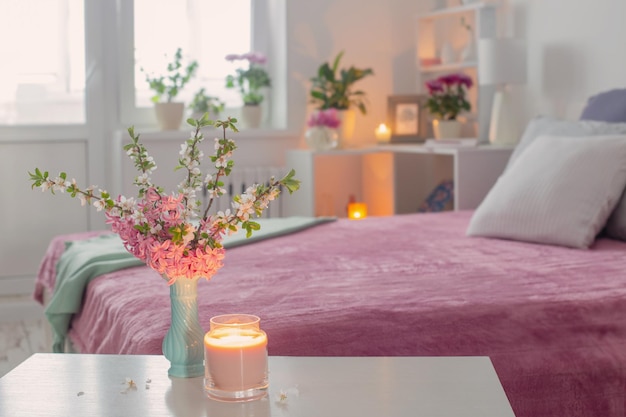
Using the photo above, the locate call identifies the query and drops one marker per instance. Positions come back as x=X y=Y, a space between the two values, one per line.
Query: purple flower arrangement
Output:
x=249 y=81
x=448 y=95
x=252 y=57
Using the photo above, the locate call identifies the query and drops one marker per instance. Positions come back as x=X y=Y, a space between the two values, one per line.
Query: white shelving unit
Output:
x=391 y=179
x=436 y=27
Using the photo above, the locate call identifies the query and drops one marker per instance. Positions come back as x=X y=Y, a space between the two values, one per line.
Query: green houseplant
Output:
x=250 y=82
x=332 y=88
x=204 y=103
x=167 y=87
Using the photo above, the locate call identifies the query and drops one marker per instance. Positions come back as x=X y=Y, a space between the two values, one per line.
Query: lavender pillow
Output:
x=609 y=106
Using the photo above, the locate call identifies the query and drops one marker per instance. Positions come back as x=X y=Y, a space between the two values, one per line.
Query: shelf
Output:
x=448 y=67
x=451 y=11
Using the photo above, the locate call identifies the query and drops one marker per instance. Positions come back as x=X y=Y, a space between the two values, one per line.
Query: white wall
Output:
x=575 y=49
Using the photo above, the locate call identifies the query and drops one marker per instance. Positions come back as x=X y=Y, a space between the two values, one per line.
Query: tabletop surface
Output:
x=97 y=385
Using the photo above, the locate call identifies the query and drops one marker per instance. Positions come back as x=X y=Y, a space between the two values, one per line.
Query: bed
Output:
x=550 y=318
x=534 y=278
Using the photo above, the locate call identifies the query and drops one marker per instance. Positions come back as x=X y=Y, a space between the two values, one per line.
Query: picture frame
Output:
x=407 y=118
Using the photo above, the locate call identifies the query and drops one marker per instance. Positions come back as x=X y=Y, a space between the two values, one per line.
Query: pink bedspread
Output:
x=553 y=320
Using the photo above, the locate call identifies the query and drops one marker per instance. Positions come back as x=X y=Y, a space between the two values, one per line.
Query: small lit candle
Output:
x=357 y=211
x=383 y=134
x=235 y=358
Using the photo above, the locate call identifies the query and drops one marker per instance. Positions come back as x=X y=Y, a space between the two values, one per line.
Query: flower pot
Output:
x=447 y=129
x=169 y=115
x=321 y=138
x=251 y=116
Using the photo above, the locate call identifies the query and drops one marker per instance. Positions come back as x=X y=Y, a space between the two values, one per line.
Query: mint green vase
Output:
x=183 y=344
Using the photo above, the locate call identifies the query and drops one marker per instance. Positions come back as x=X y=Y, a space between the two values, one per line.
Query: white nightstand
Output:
x=56 y=385
x=391 y=179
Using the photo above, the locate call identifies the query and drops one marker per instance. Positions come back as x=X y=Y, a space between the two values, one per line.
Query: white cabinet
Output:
x=444 y=27
x=392 y=179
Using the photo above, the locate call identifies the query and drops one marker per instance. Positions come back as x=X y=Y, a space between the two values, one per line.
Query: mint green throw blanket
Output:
x=83 y=260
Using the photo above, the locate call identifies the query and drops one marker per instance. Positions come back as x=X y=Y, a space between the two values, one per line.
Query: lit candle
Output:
x=235 y=358
x=383 y=134
x=357 y=211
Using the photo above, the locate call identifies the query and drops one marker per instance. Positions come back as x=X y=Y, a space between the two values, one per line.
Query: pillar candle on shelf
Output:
x=383 y=134
x=235 y=358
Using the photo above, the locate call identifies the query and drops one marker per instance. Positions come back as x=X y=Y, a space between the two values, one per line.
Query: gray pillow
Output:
x=559 y=191
x=608 y=106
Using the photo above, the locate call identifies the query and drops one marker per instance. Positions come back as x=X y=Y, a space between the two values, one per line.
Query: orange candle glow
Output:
x=357 y=210
x=235 y=358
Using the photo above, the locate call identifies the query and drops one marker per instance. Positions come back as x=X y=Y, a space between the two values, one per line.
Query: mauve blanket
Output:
x=552 y=319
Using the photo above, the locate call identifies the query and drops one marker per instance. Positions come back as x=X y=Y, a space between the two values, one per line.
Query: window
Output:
x=44 y=80
x=200 y=29
x=42 y=76
x=205 y=31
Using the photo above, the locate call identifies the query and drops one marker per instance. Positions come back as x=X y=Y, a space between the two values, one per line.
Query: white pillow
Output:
x=546 y=125
x=559 y=191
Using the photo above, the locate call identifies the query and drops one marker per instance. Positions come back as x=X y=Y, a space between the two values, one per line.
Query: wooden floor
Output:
x=23 y=332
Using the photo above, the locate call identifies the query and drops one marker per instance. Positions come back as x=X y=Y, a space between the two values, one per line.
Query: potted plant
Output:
x=250 y=82
x=203 y=103
x=169 y=113
x=333 y=88
x=447 y=99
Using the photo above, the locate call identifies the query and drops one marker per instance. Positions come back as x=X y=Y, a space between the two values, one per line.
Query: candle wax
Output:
x=236 y=360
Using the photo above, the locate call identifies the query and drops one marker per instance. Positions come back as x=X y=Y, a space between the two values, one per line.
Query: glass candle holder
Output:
x=357 y=211
x=235 y=353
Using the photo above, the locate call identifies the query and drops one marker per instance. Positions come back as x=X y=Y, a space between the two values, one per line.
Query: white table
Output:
x=94 y=385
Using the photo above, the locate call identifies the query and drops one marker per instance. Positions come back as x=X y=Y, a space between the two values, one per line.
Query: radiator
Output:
x=240 y=179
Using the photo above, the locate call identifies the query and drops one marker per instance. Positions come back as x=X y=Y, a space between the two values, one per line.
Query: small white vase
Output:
x=251 y=116
x=447 y=129
x=446 y=54
x=321 y=138
x=468 y=53
x=169 y=115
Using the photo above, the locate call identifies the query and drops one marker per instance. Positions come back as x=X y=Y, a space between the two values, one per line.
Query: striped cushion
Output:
x=559 y=191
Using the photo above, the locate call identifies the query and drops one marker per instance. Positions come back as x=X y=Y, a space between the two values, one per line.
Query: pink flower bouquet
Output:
x=326 y=118
x=167 y=231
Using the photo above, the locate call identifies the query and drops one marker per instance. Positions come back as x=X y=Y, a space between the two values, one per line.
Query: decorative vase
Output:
x=447 y=129
x=182 y=344
x=446 y=54
x=468 y=53
x=346 y=128
x=169 y=115
x=251 y=116
x=321 y=138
